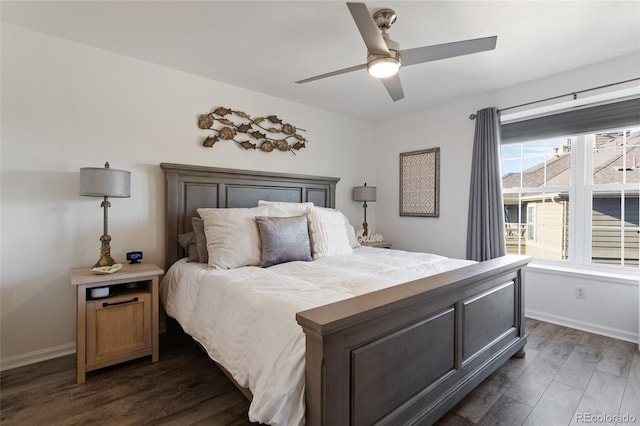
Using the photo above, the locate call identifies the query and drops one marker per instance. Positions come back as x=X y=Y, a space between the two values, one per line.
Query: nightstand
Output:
x=122 y=326
x=379 y=244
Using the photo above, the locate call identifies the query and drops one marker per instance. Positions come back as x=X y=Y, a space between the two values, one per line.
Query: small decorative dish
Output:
x=102 y=270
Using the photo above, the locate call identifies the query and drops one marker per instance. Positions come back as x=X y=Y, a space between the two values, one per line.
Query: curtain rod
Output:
x=574 y=94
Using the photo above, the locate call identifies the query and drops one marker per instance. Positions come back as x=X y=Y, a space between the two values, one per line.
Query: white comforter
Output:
x=245 y=317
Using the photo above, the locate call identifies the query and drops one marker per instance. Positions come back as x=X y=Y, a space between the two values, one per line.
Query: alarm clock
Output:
x=134 y=256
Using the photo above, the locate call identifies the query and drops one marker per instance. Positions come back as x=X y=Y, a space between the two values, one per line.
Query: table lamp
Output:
x=105 y=182
x=364 y=193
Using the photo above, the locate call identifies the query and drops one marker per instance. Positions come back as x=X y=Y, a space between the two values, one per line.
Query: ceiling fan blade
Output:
x=368 y=29
x=331 y=74
x=423 y=54
x=394 y=87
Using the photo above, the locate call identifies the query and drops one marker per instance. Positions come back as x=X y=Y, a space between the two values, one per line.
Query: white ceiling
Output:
x=266 y=46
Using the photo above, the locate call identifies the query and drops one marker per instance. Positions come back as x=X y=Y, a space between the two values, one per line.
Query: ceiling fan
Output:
x=384 y=57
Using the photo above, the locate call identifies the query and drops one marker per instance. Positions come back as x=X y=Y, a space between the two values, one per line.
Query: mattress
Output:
x=245 y=317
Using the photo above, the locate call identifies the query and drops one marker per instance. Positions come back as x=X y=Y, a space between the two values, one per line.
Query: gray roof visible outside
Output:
x=607 y=165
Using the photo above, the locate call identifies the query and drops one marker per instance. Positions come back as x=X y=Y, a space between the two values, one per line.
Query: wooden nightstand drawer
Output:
x=121 y=327
x=118 y=329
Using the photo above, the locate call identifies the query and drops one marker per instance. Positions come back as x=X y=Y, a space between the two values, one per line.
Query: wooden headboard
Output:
x=191 y=187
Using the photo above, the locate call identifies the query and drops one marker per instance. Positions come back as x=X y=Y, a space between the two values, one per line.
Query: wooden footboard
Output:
x=407 y=354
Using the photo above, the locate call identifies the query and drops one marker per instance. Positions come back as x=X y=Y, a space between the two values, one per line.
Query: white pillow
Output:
x=351 y=233
x=328 y=233
x=284 y=209
x=233 y=239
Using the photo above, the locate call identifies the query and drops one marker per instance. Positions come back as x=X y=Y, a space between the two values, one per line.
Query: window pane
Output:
x=607 y=209
x=514 y=236
x=536 y=164
x=615 y=228
x=512 y=151
x=533 y=153
x=531 y=221
x=606 y=247
x=634 y=137
x=511 y=173
x=632 y=228
x=558 y=162
x=555 y=242
x=616 y=157
x=631 y=247
x=514 y=226
x=537 y=224
x=552 y=216
x=631 y=208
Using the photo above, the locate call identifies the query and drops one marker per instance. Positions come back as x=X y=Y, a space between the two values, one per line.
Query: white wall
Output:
x=548 y=296
x=66 y=106
x=610 y=307
x=450 y=129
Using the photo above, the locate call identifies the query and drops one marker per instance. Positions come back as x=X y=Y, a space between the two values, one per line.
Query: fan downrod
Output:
x=384 y=18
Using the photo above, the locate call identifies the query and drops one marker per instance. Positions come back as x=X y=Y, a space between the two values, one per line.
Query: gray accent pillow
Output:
x=201 y=239
x=188 y=242
x=284 y=239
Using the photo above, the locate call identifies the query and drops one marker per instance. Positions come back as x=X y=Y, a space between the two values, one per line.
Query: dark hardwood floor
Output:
x=566 y=374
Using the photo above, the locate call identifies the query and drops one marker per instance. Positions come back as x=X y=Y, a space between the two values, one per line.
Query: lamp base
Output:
x=364 y=224
x=105 y=252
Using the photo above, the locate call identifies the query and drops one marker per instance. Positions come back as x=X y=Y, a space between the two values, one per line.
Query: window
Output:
x=574 y=198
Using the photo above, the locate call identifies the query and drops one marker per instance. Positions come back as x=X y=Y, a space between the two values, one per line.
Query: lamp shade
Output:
x=105 y=182
x=364 y=193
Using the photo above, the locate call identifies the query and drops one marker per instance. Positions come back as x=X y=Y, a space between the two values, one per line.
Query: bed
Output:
x=403 y=354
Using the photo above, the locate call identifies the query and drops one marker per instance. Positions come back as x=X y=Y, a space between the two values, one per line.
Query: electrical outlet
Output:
x=581 y=293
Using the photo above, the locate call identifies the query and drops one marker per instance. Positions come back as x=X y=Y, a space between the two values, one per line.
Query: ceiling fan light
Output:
x=383 y=67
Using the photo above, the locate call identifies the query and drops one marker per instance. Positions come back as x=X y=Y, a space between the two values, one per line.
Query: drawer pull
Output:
x=106 y=304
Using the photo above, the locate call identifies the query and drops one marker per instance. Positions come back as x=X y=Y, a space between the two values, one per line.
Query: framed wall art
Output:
x=420 y=183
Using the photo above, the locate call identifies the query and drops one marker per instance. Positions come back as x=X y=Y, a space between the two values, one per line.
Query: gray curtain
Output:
x=485 y=227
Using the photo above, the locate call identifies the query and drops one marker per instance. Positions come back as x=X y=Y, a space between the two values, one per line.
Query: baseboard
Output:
x=583 y=325
x=21 y=360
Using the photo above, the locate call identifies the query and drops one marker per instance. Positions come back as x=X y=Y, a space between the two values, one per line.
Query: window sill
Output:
x=592 y=273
